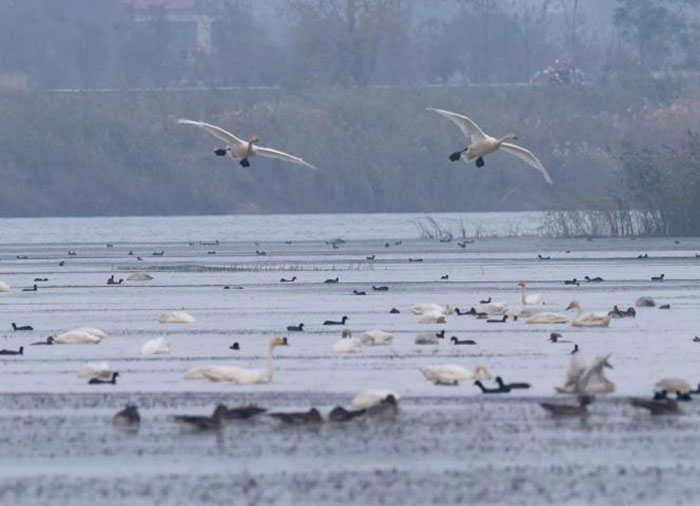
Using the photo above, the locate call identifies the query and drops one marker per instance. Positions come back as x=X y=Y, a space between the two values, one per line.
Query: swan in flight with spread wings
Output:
x=241 y=150
x=482 y=144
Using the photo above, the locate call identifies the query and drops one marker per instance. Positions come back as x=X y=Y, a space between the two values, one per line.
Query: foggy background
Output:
x=604 y=92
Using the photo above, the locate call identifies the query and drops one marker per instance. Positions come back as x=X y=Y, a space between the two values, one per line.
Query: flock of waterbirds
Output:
x=583 y=381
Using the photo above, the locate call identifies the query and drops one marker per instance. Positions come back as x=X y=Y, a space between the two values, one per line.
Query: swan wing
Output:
x=280 y=155
x=527 y=157
x=217 y=132
x=466 y=125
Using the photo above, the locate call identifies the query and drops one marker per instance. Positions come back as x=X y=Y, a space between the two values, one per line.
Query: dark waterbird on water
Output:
x=22 y=257
x=332 y=281
x=158 y=253
x=394 y=311
x=311 y=417
x=380 y=288
x=540 y=257
x=296 y=328
x=567 y=409
x=235 y=346
x=127 y=416
x=357 y=292
x=100 y=381
x=485 y=301
x=696 y=339
x=658 y=278
x=573 y=281
x=658 y=406
x=665 y=306
x=414 y=259
x=111 y=281
x=502 y=387
x=22 y=328
x=498 y=320
x=40 y=279
x=244 y=412
x=444 y=277
x=201 y=423
x=340 y=414
x=371 y=257
x=72 y=253
x=48 y=342
x=597 y=279
x=643 y=257
x=618 y=313
x=13 y=352
x=333 y=322
x=575 y=350
x=32 y=289
x=292 y=280
x=472 y=312
x=555 y=337
x=456 y=341
x=260 y=253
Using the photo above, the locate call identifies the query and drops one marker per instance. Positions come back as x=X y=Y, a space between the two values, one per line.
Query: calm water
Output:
x=449 y=445
x=256 y=227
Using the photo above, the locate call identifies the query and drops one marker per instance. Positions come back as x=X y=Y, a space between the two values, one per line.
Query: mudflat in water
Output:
x=448 y=445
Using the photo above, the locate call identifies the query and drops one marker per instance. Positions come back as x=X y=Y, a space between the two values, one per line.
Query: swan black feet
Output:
x=245 y=163
x=480 y=162
x=220 y=152
x=455 y=156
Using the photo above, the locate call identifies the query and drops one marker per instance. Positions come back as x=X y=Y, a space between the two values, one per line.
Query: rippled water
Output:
x=449 y=445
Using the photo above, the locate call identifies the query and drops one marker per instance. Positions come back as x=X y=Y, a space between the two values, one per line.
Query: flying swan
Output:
x=242 y=150
x=482 y=144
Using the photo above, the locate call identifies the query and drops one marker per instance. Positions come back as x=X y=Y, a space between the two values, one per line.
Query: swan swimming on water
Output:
x=482 y=144
x=175 y=317
x=155 y=347
x=241 y=150
x=529 y=299
x=588 y=319
x=452 y=374
x=239 y=375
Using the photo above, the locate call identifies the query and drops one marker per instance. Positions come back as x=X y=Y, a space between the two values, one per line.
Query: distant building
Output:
x=190 y=20
x=13 y=81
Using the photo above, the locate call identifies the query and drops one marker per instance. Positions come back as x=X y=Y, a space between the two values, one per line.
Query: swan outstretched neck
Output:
x=239 y=374
x=482 y=144
x=529 y=299
x=243 y=150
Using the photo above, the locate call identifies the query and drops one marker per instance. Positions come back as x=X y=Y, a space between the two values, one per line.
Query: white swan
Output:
x=588 y=319
x=242 y=150
x=494 y=308
x=371 y=397
x=529 y=299
x=96 y=370
x=376 y=338
x=419 y=309
x=175 y=317
x=197 y=373
x=587 y=381
x=452 y=374
x=542 y=318
x=4 y=287
x=246 y=376
x=92 y=331
x=524 y=312
x=482 y=144
x=77 y=337
x=155 y=347
x=347 y=344
x=433 y=317
x=140 y=276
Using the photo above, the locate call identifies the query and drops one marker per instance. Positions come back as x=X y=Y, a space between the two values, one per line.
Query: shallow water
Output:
x=448 y=445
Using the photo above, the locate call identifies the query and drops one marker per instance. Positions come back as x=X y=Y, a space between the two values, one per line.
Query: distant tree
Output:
x=651 y=28
x=339 y=40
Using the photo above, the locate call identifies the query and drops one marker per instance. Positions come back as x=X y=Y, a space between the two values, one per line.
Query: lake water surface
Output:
x=448 y=445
